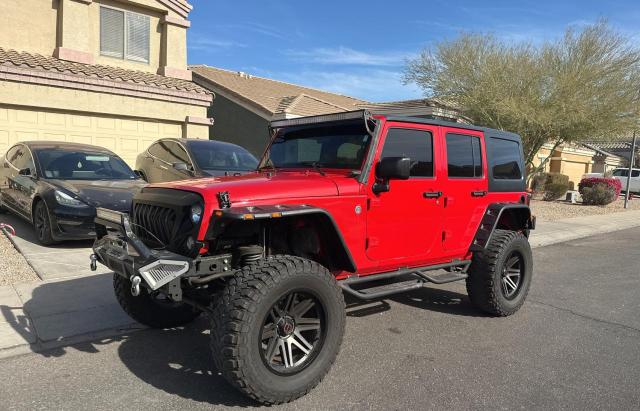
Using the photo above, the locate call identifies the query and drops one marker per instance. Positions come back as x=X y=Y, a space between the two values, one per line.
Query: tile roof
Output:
x=12 y=58
x=274 y=96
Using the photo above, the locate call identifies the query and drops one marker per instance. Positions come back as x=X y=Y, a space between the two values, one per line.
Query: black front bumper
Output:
x=118 y=248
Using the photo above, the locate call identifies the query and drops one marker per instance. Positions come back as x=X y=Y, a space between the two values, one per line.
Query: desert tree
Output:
x=584 y=85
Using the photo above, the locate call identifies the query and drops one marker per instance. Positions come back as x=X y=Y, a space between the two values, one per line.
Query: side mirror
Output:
x=181 y=166
x=391 y=168
x=139 y=174
x=25 y=172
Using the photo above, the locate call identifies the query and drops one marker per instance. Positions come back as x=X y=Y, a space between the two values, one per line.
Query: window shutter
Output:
x=111 y=32
x=137 y=37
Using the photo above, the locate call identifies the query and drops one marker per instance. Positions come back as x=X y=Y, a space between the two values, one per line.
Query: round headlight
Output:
x=196 y=213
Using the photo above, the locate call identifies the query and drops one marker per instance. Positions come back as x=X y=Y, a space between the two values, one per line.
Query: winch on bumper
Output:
x=124 y=253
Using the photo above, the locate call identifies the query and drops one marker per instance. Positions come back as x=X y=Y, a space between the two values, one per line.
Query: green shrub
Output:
x=557 y=178
x=554 y=191
x=600 y=194
x=599 y=191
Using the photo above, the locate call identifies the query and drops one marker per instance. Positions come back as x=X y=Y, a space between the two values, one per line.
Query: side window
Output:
x=635 y=173
x=464 y=156
x=415 y=144
x=12 y=155
x=175 y=153
x=20 y=158
x=156 y=150
x=505 y=155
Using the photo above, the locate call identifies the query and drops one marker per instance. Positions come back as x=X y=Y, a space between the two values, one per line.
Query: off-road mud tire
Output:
x=148 y=311
x=238 y=317
x=484 y=281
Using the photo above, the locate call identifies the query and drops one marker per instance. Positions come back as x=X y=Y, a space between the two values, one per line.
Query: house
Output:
x=107 y=72
x=245 y=104
x=575 y=160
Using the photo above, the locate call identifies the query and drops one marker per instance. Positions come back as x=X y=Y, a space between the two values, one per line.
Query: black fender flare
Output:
x=222 y=217
x=498 y=215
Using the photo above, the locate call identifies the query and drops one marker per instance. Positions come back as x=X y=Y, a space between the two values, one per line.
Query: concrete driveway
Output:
x=574 y=345
x=64 y=260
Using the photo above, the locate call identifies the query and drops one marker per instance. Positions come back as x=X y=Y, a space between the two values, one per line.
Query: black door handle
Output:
x=432 y=194
x=478 y=193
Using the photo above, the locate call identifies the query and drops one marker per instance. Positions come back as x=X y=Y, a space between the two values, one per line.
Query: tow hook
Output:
x=93 y=264
x=135 y=285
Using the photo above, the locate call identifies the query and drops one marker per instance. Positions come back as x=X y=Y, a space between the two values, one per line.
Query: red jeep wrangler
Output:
x=350 y=202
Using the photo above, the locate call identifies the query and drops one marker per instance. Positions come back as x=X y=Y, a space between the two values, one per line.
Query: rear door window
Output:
x=464 y=156
x=505 y=155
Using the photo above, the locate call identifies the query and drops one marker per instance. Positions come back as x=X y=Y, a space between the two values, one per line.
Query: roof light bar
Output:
x=325 y=118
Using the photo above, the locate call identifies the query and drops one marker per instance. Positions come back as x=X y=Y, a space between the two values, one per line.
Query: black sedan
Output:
x=181 y=158
x=57 y=186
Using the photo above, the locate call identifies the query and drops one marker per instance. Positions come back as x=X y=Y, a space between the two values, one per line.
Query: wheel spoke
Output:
x=268 y=331
x=300 y=341
x=288 y=306
x=307 y=324
x=286 y=351
x=512 y=262
x=302 y=307
x=510 y=283
x=272 y=348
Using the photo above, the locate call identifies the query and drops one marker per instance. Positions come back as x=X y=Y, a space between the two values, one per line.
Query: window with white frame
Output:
x=124 y=34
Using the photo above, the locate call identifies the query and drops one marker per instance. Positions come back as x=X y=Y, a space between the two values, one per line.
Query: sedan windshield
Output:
x=341 y=146
x=82 y=165
x=223 y=157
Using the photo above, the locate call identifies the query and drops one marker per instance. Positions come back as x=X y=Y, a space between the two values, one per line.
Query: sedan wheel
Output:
x=42 y=224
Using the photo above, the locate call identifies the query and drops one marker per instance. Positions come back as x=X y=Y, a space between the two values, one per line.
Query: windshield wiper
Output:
x=316 y=166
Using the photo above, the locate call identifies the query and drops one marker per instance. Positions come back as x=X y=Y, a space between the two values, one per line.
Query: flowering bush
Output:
x=599 y=190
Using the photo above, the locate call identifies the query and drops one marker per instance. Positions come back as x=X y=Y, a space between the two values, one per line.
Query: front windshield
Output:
x=342 y=146
x=82 y=165
x=223 y=157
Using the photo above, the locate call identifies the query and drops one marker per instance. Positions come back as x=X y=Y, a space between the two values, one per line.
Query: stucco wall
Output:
x=238 y=125
x=29 y=25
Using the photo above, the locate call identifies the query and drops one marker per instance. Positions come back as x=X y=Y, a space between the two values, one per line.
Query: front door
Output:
x=465 y=195
x=21 y=181
x=405 y=222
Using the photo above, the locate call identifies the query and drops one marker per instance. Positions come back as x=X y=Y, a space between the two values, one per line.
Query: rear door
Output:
x=466 y=188
x=405 y=222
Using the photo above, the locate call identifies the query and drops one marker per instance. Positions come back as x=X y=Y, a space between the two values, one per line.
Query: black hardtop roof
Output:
x=488 y=131
x=310 y=121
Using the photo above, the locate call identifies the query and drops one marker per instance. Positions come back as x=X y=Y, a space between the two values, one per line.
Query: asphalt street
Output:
x=574 y=345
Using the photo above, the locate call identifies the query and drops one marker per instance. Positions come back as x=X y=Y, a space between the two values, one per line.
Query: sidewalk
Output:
x=73 y=304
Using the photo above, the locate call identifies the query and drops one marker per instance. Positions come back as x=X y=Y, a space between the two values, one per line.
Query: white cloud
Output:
x=371 y=85
x=348 y=56
x=201 y=43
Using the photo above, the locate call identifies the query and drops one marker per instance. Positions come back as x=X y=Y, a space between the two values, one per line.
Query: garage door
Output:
x=126 y=137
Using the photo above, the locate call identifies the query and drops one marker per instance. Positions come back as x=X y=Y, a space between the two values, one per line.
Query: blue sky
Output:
x=359 y=48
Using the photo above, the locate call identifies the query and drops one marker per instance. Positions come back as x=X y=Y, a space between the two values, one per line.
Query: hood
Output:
x=112 y=194
x=258 y=186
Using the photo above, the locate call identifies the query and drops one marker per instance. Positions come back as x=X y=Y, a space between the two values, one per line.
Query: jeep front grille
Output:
x=153 y=224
